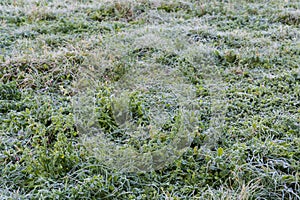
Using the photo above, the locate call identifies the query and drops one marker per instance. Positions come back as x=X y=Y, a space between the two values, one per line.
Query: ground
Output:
x=218 y=81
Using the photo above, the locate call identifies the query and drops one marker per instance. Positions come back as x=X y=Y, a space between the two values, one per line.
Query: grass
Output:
x=202 y=97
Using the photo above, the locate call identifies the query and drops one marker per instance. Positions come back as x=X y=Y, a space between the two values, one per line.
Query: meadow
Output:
x=149 y=99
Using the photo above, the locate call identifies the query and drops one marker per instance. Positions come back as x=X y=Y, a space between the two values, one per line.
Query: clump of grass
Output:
x=289 y=18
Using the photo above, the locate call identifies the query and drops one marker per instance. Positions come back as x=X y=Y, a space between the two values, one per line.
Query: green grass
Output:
x=216 y=81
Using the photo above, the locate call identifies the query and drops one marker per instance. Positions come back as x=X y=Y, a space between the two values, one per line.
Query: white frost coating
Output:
x=168 y=95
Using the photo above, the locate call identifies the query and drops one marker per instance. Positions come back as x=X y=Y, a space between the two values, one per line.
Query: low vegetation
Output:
x=232 y=65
